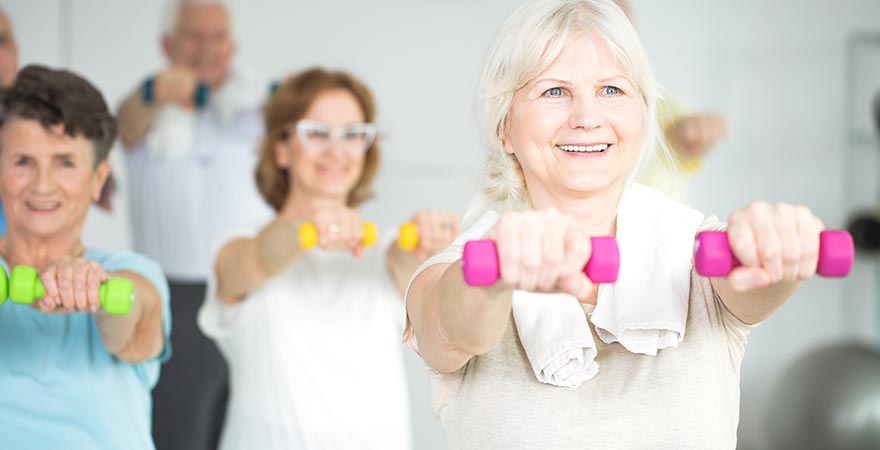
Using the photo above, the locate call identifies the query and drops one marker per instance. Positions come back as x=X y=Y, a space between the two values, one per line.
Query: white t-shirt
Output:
x=179 y=204
x=314 y=357
x=684 y=398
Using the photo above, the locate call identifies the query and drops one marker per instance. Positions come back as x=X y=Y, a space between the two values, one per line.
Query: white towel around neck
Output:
x=645 y=310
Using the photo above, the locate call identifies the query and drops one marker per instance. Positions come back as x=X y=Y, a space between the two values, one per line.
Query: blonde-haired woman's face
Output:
x=578 y=127
x=333 y=171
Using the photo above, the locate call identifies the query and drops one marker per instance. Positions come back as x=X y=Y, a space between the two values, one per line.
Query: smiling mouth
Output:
x=42 y=206
x=597 y=148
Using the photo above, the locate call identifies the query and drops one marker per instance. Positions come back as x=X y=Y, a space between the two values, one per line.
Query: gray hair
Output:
x=171 y=13
x=527 y=43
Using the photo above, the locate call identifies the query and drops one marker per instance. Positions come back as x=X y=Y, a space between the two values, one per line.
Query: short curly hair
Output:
x=59 y=97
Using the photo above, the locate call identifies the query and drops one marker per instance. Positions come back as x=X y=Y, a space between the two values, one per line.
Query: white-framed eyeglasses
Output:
x=317 y=136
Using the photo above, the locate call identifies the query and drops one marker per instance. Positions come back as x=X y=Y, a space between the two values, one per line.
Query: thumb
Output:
x=578 y=285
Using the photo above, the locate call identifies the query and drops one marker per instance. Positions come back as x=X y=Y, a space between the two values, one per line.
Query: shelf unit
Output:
x=861 y=291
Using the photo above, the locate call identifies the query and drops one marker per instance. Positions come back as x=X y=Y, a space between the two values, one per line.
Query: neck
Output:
x=38 y=251
x=596 y=211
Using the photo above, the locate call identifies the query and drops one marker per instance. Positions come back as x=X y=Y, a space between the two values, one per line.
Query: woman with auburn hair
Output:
x=312 y=335
x=539 y=356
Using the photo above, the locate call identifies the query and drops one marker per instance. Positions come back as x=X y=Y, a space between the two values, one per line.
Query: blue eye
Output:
x=22 y=161
x=611 y=90
x=66 y=162
x=554 y=92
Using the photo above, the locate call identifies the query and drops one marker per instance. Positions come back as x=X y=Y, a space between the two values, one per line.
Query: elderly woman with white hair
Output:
x=546 y=358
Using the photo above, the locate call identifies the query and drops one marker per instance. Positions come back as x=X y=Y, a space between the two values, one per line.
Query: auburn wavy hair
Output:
x=287 y=105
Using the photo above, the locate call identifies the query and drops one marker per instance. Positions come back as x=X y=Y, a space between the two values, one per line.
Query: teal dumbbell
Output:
x=24 y=286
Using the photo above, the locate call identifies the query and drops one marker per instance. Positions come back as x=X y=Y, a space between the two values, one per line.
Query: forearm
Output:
x=401 y=265
x=278 y=246
x=135 y=119
x=754 y=306
x=136 y=336
x=457 y=321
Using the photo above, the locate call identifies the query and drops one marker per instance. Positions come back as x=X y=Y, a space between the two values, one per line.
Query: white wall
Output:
x=775 y=68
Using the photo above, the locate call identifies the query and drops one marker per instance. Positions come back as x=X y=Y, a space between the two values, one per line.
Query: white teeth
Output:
x=43 y=205
x=583 y=148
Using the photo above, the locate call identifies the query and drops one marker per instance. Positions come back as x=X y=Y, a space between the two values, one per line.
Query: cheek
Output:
x=79 y=185
x=534 y=126
x=630 y=124
x=357 y=165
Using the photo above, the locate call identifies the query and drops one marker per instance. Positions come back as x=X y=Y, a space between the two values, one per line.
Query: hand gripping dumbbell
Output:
x=199 y=95
x=714 y=258
x=24 y=286
x=308 y=235
x=479 y=263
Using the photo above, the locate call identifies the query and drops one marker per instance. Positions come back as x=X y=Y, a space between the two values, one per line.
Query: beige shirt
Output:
x=684 y=398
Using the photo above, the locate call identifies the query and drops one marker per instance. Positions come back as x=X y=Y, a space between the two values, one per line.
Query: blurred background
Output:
x=796 y=80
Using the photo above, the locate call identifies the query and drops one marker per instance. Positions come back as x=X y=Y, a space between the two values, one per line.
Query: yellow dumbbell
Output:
x=408 y=237
x=308 y=235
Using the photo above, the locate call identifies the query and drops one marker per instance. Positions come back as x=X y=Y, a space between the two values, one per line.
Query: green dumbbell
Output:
x=24 y=286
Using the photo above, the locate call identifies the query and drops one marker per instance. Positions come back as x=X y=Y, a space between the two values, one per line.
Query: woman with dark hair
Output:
x=312 y=336
x=73 y=374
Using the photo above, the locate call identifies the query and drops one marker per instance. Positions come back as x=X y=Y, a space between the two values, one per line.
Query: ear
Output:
x=505 y=138
x=167 y=47
x=99 y=178
x=282 y=154
x=505 y=142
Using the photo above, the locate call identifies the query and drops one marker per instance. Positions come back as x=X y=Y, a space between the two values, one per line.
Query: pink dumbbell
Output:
x=714 y=258
x=479 y=263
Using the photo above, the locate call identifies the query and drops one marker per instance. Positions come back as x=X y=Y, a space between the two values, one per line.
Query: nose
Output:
x=586 y=113
x=45 y=181
x=336 y=148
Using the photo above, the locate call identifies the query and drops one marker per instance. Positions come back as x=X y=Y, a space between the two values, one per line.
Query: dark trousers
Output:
x=189 y=402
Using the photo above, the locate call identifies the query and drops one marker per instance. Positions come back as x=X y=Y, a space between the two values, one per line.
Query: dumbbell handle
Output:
x=116 y=294
x=199 y=96
x=408 y=236
x=308 y=235
x=714 y=258
x=479 y=262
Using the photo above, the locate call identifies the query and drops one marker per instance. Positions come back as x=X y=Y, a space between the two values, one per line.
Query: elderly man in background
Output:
x=8 y=70
x=191 y=132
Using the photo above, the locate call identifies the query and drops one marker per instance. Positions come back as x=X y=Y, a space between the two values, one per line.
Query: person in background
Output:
x=689 y=134
x=8 y=69
x=312 y=335
x=191 y=131
x=72 y=375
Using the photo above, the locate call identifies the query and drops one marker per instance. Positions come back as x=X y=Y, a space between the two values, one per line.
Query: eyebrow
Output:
x=555 y=80
x=614 y=78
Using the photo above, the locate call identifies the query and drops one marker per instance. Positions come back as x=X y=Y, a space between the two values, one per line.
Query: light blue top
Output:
x=59 y=386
